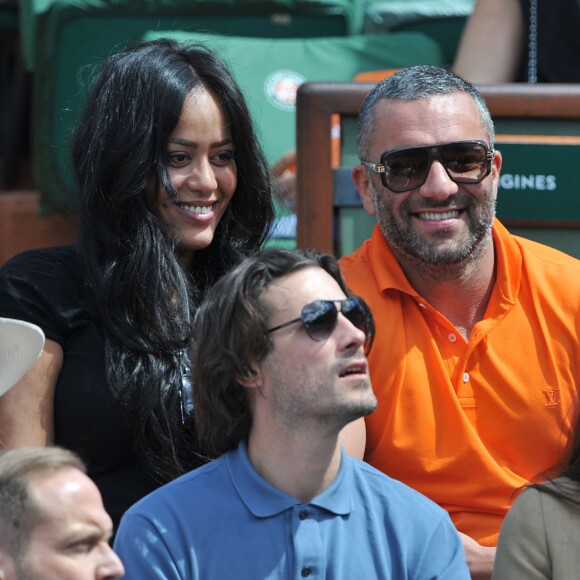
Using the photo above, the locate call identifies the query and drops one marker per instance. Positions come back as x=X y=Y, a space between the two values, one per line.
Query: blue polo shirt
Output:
x=224 y=521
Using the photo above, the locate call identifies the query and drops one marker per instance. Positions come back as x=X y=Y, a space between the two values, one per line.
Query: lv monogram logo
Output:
x=552 y=398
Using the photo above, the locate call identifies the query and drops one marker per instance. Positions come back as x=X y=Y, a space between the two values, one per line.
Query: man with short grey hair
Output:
x=52 y=521
x=476 y=362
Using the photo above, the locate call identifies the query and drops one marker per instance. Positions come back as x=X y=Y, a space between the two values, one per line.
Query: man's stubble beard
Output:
x=408 y=244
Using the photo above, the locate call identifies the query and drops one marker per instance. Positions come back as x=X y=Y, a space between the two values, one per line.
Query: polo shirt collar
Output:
x=388 y=273
x=264 y=500
x=509 y=264
x=390 y=276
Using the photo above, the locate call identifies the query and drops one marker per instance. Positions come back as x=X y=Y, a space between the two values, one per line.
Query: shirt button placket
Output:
x=308 y=545
x=306 y=570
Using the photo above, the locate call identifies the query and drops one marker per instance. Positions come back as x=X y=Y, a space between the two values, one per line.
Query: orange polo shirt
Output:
x=469 y=423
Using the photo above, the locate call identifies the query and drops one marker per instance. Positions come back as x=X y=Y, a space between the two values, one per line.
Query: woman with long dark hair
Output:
x=540 y=536
x=174 y=191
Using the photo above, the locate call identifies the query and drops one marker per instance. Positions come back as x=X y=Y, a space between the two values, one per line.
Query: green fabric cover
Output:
x=394 y=14
x=275 y=18
x=443 y=20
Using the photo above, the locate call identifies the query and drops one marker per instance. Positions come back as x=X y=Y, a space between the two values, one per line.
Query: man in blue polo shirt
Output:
x=279 y=370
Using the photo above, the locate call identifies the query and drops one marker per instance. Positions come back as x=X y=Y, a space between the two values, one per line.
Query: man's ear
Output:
x=496 y=164
x=361 y=181
x=495 y=171
x=252 y=378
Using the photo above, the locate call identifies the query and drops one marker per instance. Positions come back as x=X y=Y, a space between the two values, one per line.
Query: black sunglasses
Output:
x=405 y=169
x=320 y=317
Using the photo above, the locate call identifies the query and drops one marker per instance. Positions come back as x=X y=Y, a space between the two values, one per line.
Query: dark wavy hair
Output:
x=231 y=334
x=144 y=299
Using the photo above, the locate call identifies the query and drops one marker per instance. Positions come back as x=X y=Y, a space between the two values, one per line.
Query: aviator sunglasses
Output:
x=405 y=169
x=320 y=317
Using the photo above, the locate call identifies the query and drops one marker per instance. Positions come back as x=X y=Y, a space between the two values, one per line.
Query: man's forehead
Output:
x=301 y=287
x=425 y=121
x=281 y=289
x=52 y=489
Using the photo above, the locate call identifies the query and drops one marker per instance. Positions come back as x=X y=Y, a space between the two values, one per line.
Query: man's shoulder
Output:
x=393 y=492
x=544 y=253
x=358 y=268
x=548 y=267
x=204 y=482
x=355 y=259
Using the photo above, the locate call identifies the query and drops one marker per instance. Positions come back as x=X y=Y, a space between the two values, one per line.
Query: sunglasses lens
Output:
x=405 y=169
x=356 y=313
x=319 y=319
x=465 y=162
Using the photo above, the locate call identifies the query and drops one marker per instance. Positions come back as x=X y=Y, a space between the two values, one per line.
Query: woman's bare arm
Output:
x=27 y=409
x=492 y=43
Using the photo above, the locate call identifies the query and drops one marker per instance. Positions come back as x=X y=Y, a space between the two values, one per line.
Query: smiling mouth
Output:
x=197 y=209
x=432 y=216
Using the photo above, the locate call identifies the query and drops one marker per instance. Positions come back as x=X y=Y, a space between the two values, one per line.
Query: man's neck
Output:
x=300 y=464
x=460 y=292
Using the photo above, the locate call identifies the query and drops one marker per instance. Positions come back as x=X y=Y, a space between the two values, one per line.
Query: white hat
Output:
x=20 y=345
